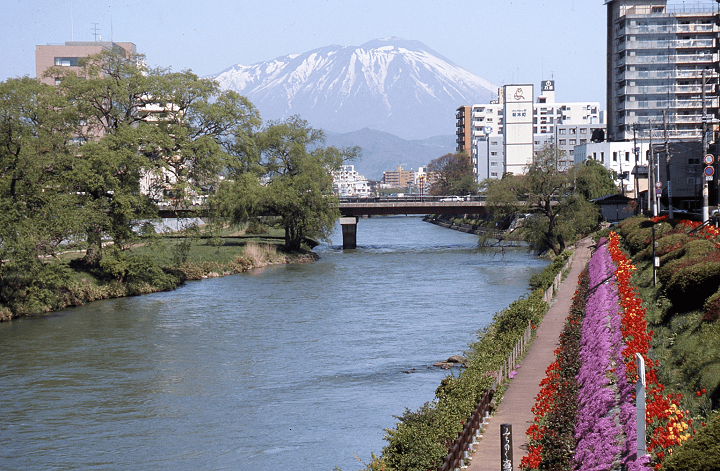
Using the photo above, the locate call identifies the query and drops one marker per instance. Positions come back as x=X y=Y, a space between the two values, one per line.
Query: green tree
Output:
x=36 y=210
x=285 y=170
x=454 y=175
x=146 y=131
x=557 y=210
x=593 y=180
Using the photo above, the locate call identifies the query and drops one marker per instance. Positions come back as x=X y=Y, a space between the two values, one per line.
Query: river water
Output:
x=297 y=367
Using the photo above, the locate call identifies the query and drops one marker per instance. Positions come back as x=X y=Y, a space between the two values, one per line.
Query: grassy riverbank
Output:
x=157 y=263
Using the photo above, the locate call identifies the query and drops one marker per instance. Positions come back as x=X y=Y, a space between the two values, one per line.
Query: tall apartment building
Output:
x=563 y=124
x=463 y=129
x=656 y=55
x=70 y=53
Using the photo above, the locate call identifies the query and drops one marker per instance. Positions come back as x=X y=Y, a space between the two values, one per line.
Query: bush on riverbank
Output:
x=52 y=285
x=422 y=439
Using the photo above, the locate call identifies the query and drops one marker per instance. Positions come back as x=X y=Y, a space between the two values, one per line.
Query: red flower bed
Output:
x=666 y=421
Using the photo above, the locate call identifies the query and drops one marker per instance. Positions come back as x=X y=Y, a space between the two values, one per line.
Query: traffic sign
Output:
x=658 y=184
x=709 y=171
x=709 y=159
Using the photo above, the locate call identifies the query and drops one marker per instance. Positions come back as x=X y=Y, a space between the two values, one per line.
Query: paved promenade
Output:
x=520 y=396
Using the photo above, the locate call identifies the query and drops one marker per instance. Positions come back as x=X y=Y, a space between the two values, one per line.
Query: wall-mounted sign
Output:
x=547 y=85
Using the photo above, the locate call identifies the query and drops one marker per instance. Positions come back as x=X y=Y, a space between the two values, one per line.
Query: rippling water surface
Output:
x=298 y=367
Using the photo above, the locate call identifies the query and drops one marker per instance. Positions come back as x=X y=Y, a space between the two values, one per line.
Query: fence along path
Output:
x=520 y=396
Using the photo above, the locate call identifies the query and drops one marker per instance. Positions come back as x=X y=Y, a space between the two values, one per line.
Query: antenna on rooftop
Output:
x=72 y=29
x=95 y=30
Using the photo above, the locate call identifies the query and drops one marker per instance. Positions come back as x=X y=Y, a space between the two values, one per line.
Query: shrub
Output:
x=255 y=227
x=545 y=278
x=702 y=452
x=712 y=307
x=666 y=244
x=691 y=283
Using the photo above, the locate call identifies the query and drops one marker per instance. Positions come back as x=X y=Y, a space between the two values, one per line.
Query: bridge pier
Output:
x=349 y=232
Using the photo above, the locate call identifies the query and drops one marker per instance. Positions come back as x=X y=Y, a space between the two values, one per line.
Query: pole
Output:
x=706 y=202
x=667 y=165
x=652 y=200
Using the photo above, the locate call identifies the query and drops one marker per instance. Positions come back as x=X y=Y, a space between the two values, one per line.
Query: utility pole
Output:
x=651 y=177
x=667 y=165
x=706 y=203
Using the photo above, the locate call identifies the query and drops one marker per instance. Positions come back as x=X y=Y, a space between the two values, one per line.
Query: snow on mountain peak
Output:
x=390 y=84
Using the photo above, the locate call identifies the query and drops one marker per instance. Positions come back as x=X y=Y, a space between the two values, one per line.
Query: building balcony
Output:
x=661 y=45
x=664 y=89
x=666 y=29
x=710 y=102
x=667 y=59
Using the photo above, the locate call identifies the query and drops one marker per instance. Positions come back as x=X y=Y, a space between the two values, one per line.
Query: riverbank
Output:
x=157 y=264
x=469 y=226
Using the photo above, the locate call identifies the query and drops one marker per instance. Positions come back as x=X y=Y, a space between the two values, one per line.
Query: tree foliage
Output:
x=555 y=202
x=84 y=163
x=285 y=170
x=454 y=175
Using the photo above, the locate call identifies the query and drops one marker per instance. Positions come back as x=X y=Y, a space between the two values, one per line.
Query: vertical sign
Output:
x=640 y=405
x=506 y=451
x=518 y=142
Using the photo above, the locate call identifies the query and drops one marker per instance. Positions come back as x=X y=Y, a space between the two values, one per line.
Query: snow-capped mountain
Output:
x=392 y=85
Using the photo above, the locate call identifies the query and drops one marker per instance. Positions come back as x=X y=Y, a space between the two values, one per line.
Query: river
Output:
x=297 y=367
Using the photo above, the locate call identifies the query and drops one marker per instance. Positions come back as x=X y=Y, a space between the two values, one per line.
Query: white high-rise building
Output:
x=494 y=129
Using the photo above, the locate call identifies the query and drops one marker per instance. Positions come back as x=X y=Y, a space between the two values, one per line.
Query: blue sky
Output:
x=501 y=41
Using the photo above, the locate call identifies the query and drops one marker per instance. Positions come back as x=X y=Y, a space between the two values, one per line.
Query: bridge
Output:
x=352 y=208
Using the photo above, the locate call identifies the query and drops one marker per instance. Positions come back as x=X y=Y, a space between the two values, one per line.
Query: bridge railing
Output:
x=410 y=199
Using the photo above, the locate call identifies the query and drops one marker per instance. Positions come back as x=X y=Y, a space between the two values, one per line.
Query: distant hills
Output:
x=391 y=85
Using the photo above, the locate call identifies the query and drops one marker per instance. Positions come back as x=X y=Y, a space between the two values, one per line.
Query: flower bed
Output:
x=613 y=330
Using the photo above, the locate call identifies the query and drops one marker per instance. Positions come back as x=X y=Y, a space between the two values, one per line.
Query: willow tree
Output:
x=285 y=170
x=557 y=209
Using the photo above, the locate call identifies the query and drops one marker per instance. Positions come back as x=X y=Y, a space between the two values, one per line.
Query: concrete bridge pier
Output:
x=349 y=232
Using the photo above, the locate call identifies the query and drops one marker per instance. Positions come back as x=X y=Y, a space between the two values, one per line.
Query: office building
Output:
x=68 y=55
x=530 y=126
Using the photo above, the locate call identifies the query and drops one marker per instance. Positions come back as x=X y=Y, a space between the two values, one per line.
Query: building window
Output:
x=583 y=141
x=614 y=156
x=692 y=161
x=583 y=130
x=562 y=142
x=493 y=153
x=66 y=61
x=573 y=142
x=571 y=151
x=627 y=156
x=493 y=164
x=602 y=157
x=573 y=131
x=561 y=131
x=493 y=174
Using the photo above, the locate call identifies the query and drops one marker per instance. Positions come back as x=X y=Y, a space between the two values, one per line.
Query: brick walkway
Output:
x=520 y=396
